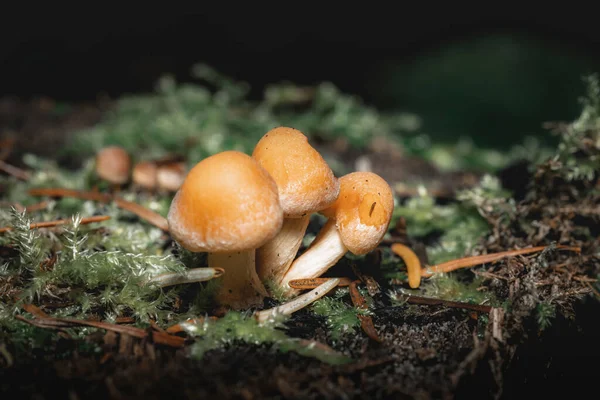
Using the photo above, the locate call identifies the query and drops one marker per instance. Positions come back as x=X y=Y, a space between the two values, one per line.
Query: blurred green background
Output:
x=495 y=89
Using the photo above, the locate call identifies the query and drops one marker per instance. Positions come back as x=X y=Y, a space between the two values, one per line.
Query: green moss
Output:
x=340 y=317
x=239 y=327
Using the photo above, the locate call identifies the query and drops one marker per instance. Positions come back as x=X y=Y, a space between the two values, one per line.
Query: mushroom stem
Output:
x=274 y=258
x=240 y=286
x=325 y=250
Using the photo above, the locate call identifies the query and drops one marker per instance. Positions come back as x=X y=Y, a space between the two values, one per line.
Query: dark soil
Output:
x=427 y=351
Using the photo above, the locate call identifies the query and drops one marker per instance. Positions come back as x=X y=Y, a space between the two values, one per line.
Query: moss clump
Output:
x=237 y=327
x=340 y=317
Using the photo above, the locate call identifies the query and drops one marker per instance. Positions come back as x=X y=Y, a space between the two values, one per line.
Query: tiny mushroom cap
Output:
x=357 y=222
x=306 y=183
x=113 y=164
x=144 y=174
x=363 y=211
x=170 y=176
x=228 y=206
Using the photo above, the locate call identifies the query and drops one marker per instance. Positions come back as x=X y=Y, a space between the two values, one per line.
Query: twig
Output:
x=14 y=171
x=154 y=218
x=48 y=224
x=448 y=303
x=299 y=302
x=365 y=320
x=312 y=283
x=486 y=258
x=56 y=323
x=188 y=276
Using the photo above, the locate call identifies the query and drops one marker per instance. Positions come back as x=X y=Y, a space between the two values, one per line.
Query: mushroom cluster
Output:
x=113 y=164
x=250 y=214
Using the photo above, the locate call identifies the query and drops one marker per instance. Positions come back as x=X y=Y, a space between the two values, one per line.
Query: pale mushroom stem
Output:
x=324 y=252
x=274 y=258
x=240 y=286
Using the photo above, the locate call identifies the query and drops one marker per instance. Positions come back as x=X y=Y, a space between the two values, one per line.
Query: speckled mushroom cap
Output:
x=226 y=203
x=113 y=164
x=363 y=211
x=306 y=183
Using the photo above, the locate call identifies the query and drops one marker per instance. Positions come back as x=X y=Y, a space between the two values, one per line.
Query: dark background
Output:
x=493 y=74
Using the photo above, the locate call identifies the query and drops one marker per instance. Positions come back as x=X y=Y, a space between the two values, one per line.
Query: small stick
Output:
x=189 y=276
x=154 y=218
x=448 y=303
x=55 y=323
x=48 y=224
x=14 y=171
x=365 y=320
x=299 y=302
x=486 y=258
x=312 y=283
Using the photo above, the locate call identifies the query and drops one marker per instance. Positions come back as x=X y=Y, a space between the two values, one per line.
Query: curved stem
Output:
x=324 y=252
x=275 y=257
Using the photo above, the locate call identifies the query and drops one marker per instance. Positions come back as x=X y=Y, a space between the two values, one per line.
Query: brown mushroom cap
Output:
x=226 y=203
x=305 y=181
x=144 y=174
x=113 y=164
x=363 y=211
x=170 y=176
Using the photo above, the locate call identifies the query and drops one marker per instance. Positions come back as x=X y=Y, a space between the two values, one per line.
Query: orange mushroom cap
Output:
x=113 y=164
x=305 y=181
x=226 y=203
x=362 y=211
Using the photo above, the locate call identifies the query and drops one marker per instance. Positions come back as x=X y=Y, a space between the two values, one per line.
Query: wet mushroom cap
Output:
x=363 y=211
x=226 y=203
x=113 y=164
x=305 y=181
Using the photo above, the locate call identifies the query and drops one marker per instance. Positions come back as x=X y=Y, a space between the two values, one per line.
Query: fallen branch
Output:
x=48 y=224
x=154 y=218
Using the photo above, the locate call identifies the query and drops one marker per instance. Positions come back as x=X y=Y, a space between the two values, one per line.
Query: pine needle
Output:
x=155 y=219
x=48 y=224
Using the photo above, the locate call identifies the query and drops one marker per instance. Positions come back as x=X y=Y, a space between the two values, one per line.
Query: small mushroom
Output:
x=228 y=206
x=357 y=222
x=113 y=165
x=144 y=175
x=306 y=185
x=170 y=176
